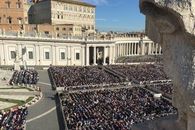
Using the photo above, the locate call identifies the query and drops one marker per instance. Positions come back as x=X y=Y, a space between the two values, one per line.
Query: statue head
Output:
x=172 y=24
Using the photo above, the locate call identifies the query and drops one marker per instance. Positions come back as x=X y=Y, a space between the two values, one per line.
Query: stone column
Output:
x=87 y=56
x=143 y=48
x=37 y=54
x=138 y=49
x=83 y=55
x=71 y=55
x=132 y=47
x=69 y=60
x=6 y=57
x=53 y=55
x=118 y=50
x=110 y=54
x=2 y=55
x=113 y=55
x=94 y=55
x=127 y=45
x=122 y=51
x=104 y=56
x=149 y=49
x=156 y=49
x=160 y=50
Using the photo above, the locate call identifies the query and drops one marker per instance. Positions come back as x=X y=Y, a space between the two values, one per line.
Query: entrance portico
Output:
x=101 y=54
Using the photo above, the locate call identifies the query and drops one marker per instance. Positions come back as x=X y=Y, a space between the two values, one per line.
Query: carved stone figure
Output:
x=172 y=24
x=17 y=61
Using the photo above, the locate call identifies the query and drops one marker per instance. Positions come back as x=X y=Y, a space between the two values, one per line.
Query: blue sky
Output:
x=118 y=15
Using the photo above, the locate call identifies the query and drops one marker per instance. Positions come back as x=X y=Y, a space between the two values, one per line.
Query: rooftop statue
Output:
x=172 y=24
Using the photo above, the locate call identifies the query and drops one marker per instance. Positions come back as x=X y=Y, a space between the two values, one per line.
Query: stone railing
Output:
x=33 y=35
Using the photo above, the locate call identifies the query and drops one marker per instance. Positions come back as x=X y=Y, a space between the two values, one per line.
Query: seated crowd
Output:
x=76 y=76
x=142 y=72
x=151 y=58
x=112 y=109
x=25 y=77
x=14 y=119
x=138 y=59
x=163 y=88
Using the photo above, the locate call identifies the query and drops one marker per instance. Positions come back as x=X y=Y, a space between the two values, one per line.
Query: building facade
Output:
x=44 y=51
x=13 y=14
x=57 y=17
x=62 y=12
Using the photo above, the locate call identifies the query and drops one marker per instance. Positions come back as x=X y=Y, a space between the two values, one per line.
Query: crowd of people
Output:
x=112 y=109
x=139 y=59
x=76 y=76
x=28 y=76
x=13 y=119
x=164 y=88
x=142 y=72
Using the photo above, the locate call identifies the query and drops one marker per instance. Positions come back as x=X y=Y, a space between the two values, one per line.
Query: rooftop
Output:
x=79 y=2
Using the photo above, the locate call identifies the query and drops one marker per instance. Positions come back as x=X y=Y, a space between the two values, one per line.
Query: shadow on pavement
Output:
x=59 y=114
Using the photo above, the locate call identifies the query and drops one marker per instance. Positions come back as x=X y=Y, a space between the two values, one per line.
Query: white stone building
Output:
x=62 y=12
x=43 y=51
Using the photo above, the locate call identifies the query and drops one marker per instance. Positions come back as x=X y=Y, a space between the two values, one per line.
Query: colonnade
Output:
x=137 y=48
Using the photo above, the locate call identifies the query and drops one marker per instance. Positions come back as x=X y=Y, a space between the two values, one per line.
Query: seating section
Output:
x=112 y=109
x=142 y=72
x=14 y=119
x=139 y=59
x=30 y=77
x=76 y=76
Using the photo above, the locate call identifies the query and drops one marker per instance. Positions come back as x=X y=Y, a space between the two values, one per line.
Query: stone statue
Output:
x=172 y=24
x=17 y=61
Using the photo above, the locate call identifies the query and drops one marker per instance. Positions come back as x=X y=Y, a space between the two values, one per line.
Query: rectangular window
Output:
x=46 y=32
x=30 y=55
x=8 y=3
x=18 y=5
x=47 y=57
x=20 y=20
x=62 y=55
x=77 y=56
x=9 y=20
x=13 y=55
